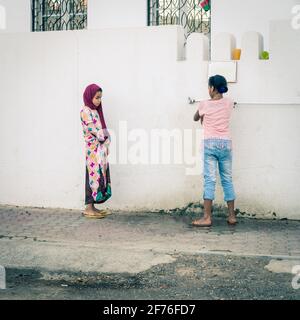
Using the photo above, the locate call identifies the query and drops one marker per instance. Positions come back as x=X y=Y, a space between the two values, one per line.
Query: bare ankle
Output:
x=207 y=208
x=230 y=205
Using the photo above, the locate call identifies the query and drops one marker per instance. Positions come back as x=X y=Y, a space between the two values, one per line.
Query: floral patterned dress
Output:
x=97 y=182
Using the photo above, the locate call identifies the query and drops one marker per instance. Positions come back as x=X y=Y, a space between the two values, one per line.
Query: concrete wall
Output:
x=146 y=82
x=265 y=126
x=238 y=17
x=117 y=14
x=231 y=16
x=17 y=15
x=101 y=14
x=264 y=81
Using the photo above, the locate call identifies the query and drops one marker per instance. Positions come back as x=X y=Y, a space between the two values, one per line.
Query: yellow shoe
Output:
x=105 y=212
x=94 y=215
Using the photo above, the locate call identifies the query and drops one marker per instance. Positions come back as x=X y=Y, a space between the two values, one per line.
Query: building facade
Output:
x=147 y=74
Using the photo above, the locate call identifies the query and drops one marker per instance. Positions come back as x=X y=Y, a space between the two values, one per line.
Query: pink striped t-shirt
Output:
x=216 y=118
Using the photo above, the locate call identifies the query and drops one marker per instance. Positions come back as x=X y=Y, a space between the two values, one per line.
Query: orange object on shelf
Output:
x=236 y=54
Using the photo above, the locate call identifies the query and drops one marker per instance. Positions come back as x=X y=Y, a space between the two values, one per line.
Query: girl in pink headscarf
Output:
x=97 y=140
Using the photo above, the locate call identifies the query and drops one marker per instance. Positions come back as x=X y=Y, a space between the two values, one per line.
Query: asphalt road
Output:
x=203 y=276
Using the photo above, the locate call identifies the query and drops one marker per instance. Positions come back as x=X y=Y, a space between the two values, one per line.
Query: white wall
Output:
x=18 y=15
x=265 y=126
x=146 y=82
x=238 y=17
x=101 y=14
x=115 y=14
x=265 y=81
x=232 y=16
x=41 y=135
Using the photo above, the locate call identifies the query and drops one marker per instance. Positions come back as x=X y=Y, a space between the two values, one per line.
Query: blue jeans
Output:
x=218 y=152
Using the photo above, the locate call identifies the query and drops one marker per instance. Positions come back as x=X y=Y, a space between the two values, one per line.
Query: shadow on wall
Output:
x=2 y=18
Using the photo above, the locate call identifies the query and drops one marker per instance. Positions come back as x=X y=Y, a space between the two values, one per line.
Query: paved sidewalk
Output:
x=156 y=231
x=62 y=240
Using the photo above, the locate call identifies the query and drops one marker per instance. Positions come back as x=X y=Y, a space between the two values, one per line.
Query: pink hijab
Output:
x=89 y=93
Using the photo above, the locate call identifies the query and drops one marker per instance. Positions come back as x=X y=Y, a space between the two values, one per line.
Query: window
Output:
x=53 y=15
x=188 y=13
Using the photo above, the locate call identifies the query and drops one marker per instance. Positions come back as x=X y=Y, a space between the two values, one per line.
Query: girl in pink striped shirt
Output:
x=215 y=117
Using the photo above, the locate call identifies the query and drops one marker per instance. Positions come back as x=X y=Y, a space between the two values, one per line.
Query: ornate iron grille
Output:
x=187 y=13
x=53 y=15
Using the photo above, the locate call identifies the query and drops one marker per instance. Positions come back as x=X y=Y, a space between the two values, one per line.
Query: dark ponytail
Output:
x=219 y=83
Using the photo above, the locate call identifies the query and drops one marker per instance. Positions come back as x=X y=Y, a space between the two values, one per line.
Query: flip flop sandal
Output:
x=93 y=216
x=106 y=212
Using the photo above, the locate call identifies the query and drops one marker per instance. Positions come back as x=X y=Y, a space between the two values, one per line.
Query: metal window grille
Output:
x=54 y=15
x=187 y=13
